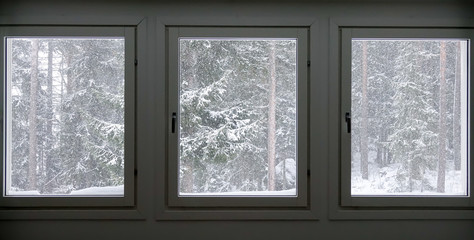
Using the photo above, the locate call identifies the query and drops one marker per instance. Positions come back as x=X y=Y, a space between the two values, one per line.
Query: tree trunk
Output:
x=457 y=111
x=49 y=120
x=384 y=148
x=32 y=142
x=442 y=120
x=364 y=148
x=379 y=157
x=271 y=139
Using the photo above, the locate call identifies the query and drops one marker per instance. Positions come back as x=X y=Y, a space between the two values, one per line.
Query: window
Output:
x=237 y=117
x=68 y=116
x=405 y=118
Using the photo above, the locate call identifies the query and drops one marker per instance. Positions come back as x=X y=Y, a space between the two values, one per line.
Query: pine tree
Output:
x=20 y=82
x=32 y=143
x=364 y=147
x=271 y=141
x=457 y=110
x=225 y=113
x=413 y=139
x=442 y=120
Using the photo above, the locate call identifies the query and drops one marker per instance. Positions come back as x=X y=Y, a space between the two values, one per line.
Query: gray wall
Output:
x=150 y=138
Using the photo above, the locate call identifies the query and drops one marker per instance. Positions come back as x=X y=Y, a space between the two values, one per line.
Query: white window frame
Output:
x=346 y=199
x=173 y=198
x=128 y=199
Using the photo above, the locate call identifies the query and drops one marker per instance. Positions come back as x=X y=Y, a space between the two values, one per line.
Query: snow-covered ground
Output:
x=383 y=181
x=289 y=193
x=289 y=174
x=92 y=191
x=114 y=190
x=23 y=193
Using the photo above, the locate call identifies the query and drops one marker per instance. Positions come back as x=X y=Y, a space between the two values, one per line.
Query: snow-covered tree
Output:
x=413 y=121
x=224 y=109
x=67 y=113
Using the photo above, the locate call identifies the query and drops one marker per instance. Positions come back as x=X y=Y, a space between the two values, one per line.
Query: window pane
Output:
x=409 y=111
x=237 y=117
x=65 y=116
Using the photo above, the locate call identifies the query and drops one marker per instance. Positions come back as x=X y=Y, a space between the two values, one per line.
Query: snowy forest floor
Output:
x=92 y=191
x=385 y=180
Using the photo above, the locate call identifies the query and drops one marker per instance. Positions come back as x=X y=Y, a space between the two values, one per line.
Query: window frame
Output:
x=128 y=199
x=346 y=199
x=173 y=198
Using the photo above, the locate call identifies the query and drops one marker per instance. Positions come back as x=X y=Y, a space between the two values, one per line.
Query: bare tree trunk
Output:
x=32 y=142
x=457 y=111
x=442 y=120
x=364 y=148
x=271 y=120
x=49 y=120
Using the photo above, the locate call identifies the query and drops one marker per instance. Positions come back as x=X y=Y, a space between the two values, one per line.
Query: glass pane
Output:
x=237 y=117
x=409 y=111
x=65 y=116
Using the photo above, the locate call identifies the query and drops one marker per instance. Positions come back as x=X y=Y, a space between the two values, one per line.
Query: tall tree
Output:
x=49 y=122
x=225 y=114
x=457 y=110
x=364 y=146
x=88 y=133
x=414 y=138
x=271 y=139
x=442 y=120
x=32 y=143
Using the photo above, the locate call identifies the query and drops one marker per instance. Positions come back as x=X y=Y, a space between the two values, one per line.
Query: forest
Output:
x=65 y=115
x=409 y=117
x=237 y=116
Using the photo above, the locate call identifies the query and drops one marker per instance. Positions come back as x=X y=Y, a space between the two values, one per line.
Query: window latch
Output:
x=173 y=123
x=348 y=122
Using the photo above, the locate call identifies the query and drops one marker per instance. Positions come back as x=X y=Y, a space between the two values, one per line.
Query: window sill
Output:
x=70 y=214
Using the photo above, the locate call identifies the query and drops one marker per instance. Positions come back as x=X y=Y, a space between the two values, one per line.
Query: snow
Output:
x=290 y=192
x=290 y=167
x=23 y=193
x=417 y=130
x=224 y=105
x=383 y=181
x=113 y=190
x=79 y=127
x=92 y=191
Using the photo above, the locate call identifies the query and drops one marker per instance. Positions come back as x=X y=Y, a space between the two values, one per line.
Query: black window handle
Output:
x=348 y=122
x=173 y=123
